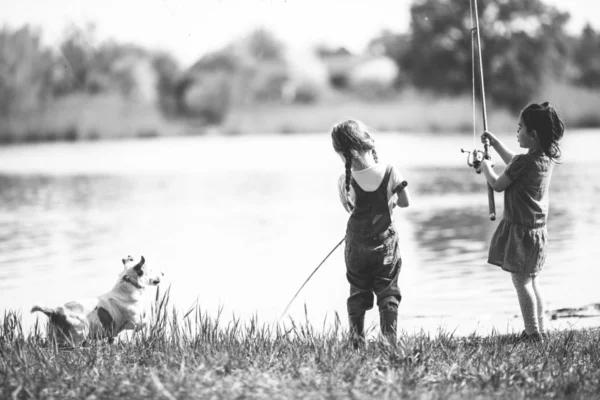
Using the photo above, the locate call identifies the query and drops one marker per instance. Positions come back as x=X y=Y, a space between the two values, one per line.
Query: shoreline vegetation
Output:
x=193 y=356
x=96 y=117
x=418 y=79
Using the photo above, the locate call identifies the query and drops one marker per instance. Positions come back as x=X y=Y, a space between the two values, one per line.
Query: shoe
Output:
x=357 y=330
x=387 y=324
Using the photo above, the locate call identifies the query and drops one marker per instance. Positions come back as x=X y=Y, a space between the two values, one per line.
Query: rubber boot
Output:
x=387 y=323
x=357 y=330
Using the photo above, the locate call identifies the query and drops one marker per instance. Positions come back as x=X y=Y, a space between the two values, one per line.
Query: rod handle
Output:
x=486 y=148
x=400 y=187
x=491 y=203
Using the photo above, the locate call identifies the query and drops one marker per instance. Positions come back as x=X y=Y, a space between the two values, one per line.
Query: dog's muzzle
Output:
x=157 y=280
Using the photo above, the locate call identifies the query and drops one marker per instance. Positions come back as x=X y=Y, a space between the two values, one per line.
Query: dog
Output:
x=105 y=316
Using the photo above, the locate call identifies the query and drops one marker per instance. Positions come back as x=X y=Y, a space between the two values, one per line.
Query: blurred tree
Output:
x=169 y=73
x=205 y=89
x=394 y=46
x=224 y=60
x=586 y=57
x=25 y=68
x=523 y=43
x=261 y=44
x=438 y=53
x=110 y=66
x=256 y=69
x=76 y=61
x=209 y=97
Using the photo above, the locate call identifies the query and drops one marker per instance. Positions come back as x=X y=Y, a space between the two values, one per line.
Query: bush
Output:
x=209 y=97
x=307 y=93
x=373 y=90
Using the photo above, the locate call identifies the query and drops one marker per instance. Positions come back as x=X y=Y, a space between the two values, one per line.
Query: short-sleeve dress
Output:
x=519 y=243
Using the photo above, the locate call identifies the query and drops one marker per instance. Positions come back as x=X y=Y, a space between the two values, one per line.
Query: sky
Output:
x=190 y=28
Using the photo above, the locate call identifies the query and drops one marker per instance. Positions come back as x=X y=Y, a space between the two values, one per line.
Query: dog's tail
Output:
x=58 y=324
x=46 y=310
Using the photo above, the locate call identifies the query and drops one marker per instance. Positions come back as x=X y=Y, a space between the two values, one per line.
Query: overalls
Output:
x=372 y=260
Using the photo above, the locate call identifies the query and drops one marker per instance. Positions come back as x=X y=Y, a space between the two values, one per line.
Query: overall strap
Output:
x=386 y=180
x=383 y=184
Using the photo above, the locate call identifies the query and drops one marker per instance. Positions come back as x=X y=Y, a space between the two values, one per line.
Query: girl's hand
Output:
x=487 y=163
x=489 y=136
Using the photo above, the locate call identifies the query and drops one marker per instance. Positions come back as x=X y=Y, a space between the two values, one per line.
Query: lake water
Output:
x=239 y=223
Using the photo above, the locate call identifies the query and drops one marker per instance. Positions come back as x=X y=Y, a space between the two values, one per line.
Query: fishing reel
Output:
x=475 y=158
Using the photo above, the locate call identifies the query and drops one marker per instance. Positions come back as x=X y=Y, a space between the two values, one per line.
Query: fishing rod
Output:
x=475 y=157
x=400 y=188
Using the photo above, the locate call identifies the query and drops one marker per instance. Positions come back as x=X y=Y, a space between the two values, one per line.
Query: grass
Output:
x=193 y=356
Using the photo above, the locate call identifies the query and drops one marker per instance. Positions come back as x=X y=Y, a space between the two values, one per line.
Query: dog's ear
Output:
x=138 y=267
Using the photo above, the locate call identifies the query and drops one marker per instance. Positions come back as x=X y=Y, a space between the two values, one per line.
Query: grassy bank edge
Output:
x=194 y=356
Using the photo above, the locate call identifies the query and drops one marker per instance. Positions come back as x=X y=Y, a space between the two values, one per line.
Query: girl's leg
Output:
x=388 y=295
x=540 y=303
x=527 y=301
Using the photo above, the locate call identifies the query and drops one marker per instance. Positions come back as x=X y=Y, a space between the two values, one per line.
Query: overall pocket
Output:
x=389 y=248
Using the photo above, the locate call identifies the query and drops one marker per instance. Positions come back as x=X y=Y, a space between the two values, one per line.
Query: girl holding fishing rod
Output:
x=368 y=192
x=519 y=243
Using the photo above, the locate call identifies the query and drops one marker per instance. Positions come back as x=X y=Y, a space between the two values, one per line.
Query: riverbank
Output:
x=85 y=117
x=195 y=357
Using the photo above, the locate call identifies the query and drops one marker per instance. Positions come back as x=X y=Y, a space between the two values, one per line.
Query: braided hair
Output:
x=351 y=139
x=544 y=119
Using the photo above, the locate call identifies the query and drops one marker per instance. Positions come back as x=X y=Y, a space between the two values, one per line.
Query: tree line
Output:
x=525 y=45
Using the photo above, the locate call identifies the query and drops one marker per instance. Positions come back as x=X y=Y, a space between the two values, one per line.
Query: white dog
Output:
x=107 y=315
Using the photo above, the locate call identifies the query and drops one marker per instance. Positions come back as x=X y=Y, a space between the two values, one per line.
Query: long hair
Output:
x=351 y=139
x=544 y=119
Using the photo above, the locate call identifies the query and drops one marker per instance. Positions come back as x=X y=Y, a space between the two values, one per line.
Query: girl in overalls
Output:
x=367 y=191
x=519 y=243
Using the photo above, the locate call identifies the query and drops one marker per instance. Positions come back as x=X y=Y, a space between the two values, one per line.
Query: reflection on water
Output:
x=245 y=234
x=452 y=234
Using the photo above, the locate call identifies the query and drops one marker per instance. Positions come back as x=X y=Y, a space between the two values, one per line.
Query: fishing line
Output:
x=400 y=187
x=310 y=276
x=473 y=75
x=480 y=62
